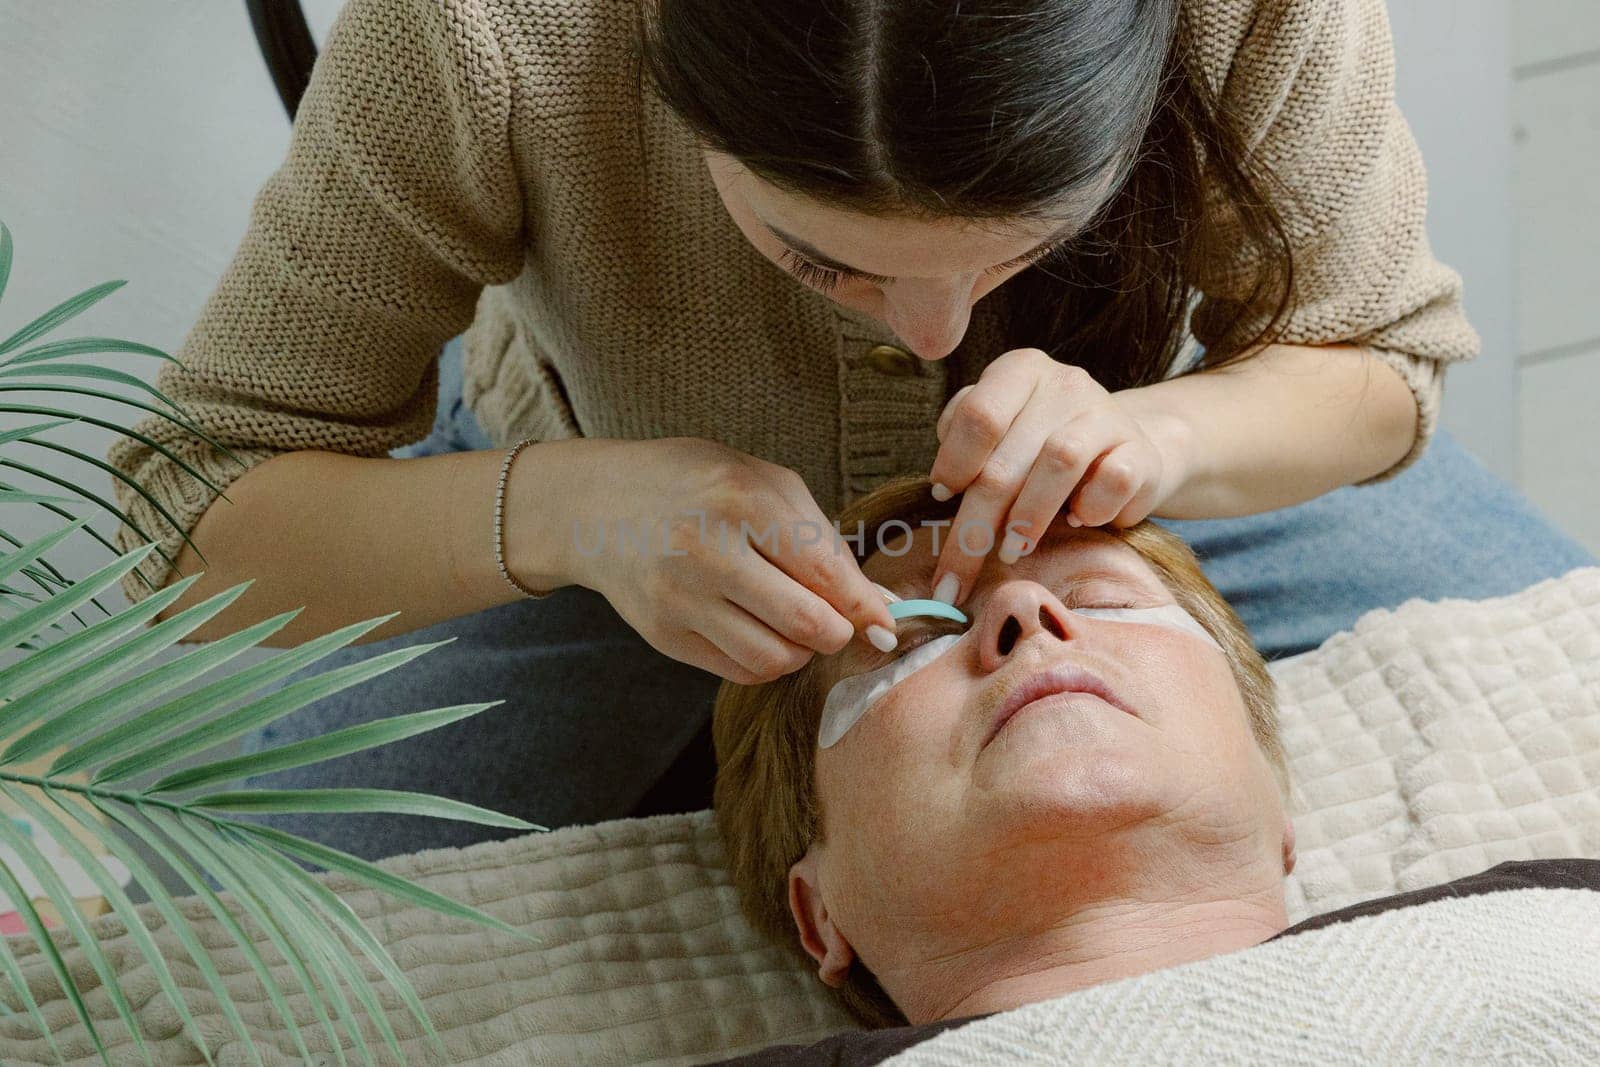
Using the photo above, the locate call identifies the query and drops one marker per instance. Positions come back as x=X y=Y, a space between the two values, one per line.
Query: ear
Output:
x=818 y=936
x=1288 y=845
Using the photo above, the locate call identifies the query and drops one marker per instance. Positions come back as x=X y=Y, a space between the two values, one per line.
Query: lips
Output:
x=1064 y=678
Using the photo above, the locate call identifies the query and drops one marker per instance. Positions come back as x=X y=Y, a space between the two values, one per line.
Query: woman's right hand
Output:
x=741 y=574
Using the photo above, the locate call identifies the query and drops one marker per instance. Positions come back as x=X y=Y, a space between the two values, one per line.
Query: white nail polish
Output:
x=1011 y=548
x=947 y=589
x=883 y=640
x=940 y=492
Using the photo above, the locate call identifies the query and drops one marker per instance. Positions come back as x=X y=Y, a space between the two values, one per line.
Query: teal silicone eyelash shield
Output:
x=851 y=698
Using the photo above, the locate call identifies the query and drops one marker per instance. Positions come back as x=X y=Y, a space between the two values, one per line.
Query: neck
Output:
x=1100 y=943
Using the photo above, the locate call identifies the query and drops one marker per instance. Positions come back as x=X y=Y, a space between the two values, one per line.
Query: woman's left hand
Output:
x=1029 y=436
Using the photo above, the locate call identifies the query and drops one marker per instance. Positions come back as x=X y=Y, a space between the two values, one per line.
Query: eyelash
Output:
x=826 y=279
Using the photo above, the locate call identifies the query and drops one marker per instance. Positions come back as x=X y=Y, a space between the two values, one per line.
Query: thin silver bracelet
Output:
x=499 y=520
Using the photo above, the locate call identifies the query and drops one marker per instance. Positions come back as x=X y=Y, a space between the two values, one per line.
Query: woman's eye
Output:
x=817 y=277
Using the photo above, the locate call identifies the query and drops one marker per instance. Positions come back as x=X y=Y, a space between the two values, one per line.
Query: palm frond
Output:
x=84 y=346
x=59 y=314
x=116 y=716
x=113 y=711
x=5 y=258
x=113 y=894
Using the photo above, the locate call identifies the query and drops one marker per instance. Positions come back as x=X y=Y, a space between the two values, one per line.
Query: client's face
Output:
x=1048 y=768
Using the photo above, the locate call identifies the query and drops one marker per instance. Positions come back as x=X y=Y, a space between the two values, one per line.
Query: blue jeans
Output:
x=594 y=715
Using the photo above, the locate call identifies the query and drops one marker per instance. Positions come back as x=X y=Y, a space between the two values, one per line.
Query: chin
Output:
x=1082 y=791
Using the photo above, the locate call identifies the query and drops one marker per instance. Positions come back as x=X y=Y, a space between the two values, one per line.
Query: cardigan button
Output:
x=893 y=361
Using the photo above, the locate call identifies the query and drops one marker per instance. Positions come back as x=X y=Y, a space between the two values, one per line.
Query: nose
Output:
x=931 y=319
x=1014 y=613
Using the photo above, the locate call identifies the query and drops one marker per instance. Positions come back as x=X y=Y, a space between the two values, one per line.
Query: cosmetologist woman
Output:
x=739 y=260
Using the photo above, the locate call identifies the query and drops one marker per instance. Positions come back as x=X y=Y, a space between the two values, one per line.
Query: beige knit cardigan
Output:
x=478 y=163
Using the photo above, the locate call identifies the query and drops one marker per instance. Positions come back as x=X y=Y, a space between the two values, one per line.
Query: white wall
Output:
x=1453 y=81
x=1556 y=163
x=133 y=136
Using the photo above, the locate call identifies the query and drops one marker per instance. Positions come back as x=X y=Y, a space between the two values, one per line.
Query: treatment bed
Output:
x=1428 y=743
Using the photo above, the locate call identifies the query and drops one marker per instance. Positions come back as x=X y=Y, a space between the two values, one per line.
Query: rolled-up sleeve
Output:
x=397 y=202
x=1310 y=83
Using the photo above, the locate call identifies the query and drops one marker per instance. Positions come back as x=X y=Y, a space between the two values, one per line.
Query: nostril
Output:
x=1048 y=620
x=1010 y=630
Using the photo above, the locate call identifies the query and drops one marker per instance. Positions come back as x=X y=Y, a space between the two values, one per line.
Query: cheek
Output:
x=909 y=734
x=855 y=294
x=898 y=761
x=1193 y=697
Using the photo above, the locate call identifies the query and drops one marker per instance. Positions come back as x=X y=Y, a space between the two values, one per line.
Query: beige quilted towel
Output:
x=1500 y=978
x=1429 y=743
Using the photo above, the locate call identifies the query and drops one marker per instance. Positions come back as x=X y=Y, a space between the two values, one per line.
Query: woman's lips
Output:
x=1064 y=678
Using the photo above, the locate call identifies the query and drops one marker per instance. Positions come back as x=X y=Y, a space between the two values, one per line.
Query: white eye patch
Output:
x=851 y=698
x=1169 y=615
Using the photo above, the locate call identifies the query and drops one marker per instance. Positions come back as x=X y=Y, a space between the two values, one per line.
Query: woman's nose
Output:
x=1016 y=612
x=931 y=321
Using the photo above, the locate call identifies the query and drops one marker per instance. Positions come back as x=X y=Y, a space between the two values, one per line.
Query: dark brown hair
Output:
x=1000 y=109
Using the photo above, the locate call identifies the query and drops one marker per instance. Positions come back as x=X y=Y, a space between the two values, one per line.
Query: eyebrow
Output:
x=810 y=251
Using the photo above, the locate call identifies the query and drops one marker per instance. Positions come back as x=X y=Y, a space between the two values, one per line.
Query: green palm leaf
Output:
x=5 y=258
x=112 y=892
x=177 y=860
x=323 y=906
x=63 y=311
x=346 y=801
x=149 y=725
x=13 y=562
x=90 y=370
x=98 y=699
x=318 y=749
x=340 y=912
x=375 y=877
x=42 y=869
x=19 y=985
x=242 y=891
x=83 y=346
x=147 y=879
x=62 y=696
x=128 y=431
x=253 y=716
x=111 y=705
x=21 y=677
x=35 y=923
x=20 y=628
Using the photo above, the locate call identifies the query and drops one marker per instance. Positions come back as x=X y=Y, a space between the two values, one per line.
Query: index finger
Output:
x=811 y=550
x=976 y=420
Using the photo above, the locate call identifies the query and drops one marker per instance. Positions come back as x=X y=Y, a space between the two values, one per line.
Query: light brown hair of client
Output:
x=766 y=803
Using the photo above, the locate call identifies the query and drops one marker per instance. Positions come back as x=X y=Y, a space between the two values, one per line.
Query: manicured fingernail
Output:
x=940 y=491
x=1012 y=547
x=882 y=639
x=947 y=589
x=1073 y=520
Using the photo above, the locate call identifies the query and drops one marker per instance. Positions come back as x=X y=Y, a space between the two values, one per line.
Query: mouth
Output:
x=1063 y=678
